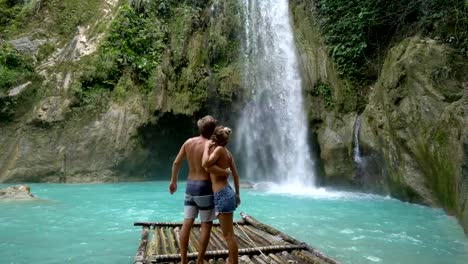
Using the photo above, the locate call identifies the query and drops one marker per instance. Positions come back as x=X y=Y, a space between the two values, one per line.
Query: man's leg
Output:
x=226 y=222
x=205 y=233
x=184 y=238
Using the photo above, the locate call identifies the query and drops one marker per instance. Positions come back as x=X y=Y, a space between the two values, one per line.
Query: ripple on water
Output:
x=346 y=231
x=405 y=236
x=373 y=258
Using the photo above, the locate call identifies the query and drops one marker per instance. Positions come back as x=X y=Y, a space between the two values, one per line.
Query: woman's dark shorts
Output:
x=225 y=200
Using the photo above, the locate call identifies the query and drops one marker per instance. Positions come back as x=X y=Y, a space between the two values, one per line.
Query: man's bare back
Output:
x=194 y=151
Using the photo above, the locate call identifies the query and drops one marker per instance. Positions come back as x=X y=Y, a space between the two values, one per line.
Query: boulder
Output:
x=335 y=138
x=246 y=184
x=18 y=192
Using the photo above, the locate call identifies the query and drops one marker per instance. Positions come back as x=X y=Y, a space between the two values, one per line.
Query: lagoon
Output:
x=93 y=223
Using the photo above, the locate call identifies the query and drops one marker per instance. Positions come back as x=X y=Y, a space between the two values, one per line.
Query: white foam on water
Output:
x=297 y=189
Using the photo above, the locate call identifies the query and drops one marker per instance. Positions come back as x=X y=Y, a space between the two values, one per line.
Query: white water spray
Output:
x=272 y=129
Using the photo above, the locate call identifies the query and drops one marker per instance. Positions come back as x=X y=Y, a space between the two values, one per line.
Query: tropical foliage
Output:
x=135 y=43
x=14 y=68
x=359 y=32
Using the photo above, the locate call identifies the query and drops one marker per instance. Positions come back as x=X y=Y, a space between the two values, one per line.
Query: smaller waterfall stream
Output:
x=356 y=150
x=358 y=161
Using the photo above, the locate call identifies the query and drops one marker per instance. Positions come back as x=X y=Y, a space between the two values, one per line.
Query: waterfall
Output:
x=272 y=129
x=356 y=151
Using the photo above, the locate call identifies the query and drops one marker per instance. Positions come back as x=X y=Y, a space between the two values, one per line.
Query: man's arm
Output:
x=175 y=169
x=217 y=170
x=209 y=160
x=206 y=155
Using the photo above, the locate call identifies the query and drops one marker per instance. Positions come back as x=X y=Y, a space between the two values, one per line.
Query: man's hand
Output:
x=173 y=187
x=209 y=143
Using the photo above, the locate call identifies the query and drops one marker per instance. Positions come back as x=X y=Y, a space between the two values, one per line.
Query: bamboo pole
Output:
x=141 y=252
x=172 y=240
x=245 y=259
x=162 y=239
x=259 y=239
x=157 y=240
x=275 y=258
x=191 y=248
x=224 y=253
x=259 y=259
x=177 y=237
x=242 y=240
x=175 y=224
x=194 y=238
x=285 y=237
x=217 y=239
x=151 y=247
x=306 y=257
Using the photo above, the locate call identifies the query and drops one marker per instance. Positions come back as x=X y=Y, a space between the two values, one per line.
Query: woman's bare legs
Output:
x=226 y=222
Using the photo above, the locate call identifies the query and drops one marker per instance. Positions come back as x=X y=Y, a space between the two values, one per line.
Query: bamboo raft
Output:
x=258 y=243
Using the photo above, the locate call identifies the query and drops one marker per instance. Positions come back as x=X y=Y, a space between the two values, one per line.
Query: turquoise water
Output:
x=93 y=223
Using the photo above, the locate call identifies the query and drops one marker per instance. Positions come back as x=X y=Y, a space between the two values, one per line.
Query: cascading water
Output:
x=360 y=163
x=272 y=129
x=357 y=152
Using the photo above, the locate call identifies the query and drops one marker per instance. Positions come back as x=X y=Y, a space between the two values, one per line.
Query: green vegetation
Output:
x=359 y=32
x=45 y=51
x=150 y=46
x=223 y=51
x=168 y=45
x=56 y=17
x=9 y=10
x=323 y=90
x=134 y=44
x=15 y=68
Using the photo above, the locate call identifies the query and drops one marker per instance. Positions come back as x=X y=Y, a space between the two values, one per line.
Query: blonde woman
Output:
x=225 y=199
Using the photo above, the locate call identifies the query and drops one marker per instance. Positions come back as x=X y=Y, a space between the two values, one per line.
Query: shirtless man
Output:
x=225 y=200
x=199 y=193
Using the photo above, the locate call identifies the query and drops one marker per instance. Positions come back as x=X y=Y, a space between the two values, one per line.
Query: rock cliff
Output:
x=413 y=130
x=103 y=82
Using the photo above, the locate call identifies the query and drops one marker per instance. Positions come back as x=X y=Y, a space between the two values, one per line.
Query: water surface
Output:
x=93 y=223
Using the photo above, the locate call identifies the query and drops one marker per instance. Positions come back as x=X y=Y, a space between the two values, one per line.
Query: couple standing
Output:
x=208 y=190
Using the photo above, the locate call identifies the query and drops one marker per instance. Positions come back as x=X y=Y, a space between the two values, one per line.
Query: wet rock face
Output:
x=50 y=110
x=81 y=149
x=416 y=118
x=27 y=44
x=414 y=125
x=70 y=128
x=18 y=192
x=335 y=142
